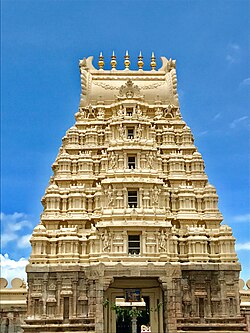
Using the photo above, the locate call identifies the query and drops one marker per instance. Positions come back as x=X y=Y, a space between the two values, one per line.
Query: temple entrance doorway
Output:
x=124 y=320
x=133 y=305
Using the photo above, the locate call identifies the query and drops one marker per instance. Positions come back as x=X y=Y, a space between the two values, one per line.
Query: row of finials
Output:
x=113 y=61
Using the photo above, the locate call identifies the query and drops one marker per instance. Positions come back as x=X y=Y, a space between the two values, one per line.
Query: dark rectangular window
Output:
x=132 y=199
x=130 y=133
x=66 y=308
x=134 y=246
x=129 y=111
x=131 y=162
x=201 y=307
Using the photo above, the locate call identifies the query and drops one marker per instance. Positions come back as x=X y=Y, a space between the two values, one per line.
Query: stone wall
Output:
x=13 y=306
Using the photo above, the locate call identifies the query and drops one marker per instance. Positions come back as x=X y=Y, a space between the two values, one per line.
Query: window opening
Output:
x=131 y=162
x=129 y=111
x=134 y=245
x=132 y=199
x=131 y=133
x=201 y=307
x=66 y=308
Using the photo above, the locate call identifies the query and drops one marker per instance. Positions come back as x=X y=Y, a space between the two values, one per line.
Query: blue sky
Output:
x=42 y=42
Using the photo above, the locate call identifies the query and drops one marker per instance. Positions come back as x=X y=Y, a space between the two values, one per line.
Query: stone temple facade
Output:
x=130 y=239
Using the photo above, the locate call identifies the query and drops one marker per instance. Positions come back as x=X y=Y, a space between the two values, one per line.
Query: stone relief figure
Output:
x=81 y=114
x=138 y=111
x=100 y=113
x=91 y=112
x=105 y=241
x=158 y=113
x=139 y=132
x=122 y=131
x=162 y=241
x=109 y=193
x=113 y=160
x=155 y=196
x=150 y=159
x=186 y=299
x=121 y=112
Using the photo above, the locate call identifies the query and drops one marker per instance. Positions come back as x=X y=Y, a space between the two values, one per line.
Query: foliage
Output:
x=123 y=312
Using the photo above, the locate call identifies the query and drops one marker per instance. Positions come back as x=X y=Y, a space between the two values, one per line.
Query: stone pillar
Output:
x=134 y=322
x=169 y=316
x=58 y=305
x=223 y=292
x=74 y=313
x=44 y=292
x=99 y=328
x=208 y=312
x=237 y=294
x=91 y=298
x=29 y=299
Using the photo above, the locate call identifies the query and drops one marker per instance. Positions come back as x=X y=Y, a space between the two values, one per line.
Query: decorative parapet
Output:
x=244 y=294
x=14 y=296
x=104 y=86
x=13 y=306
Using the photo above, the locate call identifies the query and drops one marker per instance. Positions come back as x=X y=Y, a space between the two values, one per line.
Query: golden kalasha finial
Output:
x=113 y=61
x=140 y=62
x=153 y=63
x=101 y=61
x=126 y=61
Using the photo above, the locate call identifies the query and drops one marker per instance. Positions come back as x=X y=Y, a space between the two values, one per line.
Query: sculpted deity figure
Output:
x=162 y=241
x=122 y=131
x=150 y=158
x=158 y=113
x=138 y=111
x=105 y=241
x=109 y=192
x=91 y=112
x=120 y=112
x=113 y=160
x=186 y=300
x=139 y=131
x=155 y=195
x=81 y=114
x=100 y=113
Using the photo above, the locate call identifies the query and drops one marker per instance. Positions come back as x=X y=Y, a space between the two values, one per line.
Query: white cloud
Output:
x=245 y=82
x=24 y=241
x=217 y=116
x=242 y=246
x=202 y=133
x=235 y=122
x=242 y=218
x=13 y=227
x=233 y=53
x=11 y=268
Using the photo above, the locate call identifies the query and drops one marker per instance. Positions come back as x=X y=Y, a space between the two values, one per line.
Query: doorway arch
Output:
x=116 y=316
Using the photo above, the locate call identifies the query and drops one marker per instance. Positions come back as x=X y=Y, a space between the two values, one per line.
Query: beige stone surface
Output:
x=13 y=305
x=129 y=201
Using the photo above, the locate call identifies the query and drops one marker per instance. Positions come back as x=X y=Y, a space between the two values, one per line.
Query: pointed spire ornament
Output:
x=126 y=61
x=140 y=62
x=113 y=61
x=153 y=63
x=101 y=61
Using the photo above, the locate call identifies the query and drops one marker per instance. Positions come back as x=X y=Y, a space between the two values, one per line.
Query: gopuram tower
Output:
x=130 y=239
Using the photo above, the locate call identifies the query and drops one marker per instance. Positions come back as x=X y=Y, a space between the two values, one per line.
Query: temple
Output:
x=131 y=239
